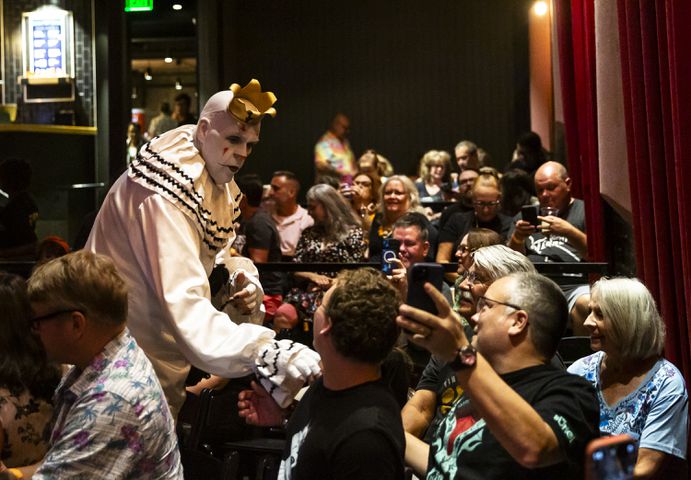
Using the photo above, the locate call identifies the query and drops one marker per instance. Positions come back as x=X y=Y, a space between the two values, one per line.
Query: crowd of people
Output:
x=97 y=345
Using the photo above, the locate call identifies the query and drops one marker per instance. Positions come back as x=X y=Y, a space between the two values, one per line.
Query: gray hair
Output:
x=547 y=309
x=497 y=261
x=340 y=218
x=631 y=316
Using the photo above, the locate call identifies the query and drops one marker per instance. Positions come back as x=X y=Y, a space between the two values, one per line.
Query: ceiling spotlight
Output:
x=168 y=59
x=177 y=6
x=540 y=8
x=147 y=74
x=178 y=84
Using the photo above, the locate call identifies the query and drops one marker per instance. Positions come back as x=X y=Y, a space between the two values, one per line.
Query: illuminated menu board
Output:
x=48 y=42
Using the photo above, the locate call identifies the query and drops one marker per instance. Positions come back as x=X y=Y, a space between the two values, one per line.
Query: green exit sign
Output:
x=139 y=5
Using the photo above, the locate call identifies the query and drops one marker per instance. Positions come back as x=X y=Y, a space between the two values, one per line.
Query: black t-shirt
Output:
x=439 y=378
x=457 y=207
x=346 y=434
x=460 y=223
x=260 y=232
x=464 y=448
x=18 y=221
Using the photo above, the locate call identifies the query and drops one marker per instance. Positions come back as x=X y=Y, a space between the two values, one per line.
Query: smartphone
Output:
x=390 y=248
x=419 y=274
x=529 y=214
x=611 y=458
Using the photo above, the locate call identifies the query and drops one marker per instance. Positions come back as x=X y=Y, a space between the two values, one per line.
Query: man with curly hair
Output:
x=347 y=424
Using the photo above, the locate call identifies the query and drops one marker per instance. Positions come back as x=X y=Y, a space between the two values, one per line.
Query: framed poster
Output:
x=48 y=42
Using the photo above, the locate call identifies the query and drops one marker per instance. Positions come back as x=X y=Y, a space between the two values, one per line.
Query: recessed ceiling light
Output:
x=177 y=6
x=168 y=59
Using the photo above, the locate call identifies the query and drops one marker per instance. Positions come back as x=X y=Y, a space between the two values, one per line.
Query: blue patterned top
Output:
x=111 y=420
x=655 y=414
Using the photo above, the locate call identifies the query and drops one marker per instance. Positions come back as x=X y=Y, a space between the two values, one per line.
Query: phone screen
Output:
x=390 y=248
x=615 y=461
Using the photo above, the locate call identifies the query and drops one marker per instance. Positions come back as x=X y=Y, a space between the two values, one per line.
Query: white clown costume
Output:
x=166 y=224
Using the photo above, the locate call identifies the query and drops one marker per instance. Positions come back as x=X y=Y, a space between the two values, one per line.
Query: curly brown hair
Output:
x=363 y=309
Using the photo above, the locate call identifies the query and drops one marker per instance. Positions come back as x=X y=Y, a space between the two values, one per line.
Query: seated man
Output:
x=111 y=417
x=519 y=417
x=347 y=425
x=438 y=390
x=560 y=238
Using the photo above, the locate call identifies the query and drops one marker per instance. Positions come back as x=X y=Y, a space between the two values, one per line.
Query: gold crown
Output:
x=249 y=103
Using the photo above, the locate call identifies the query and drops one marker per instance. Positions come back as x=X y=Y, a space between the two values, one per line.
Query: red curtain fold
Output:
x=654 y=39
x=576 y=41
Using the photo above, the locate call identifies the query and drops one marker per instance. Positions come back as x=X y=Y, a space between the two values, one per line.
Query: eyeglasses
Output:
x=483 y=302
x=486 y=204
x=472 y=277
x=466 y=249
x=36 y=321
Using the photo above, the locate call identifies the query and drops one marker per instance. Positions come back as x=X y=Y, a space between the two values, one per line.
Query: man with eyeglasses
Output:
x=519 y=417
x=111 y=417
x=486 y=196
x=438 y=390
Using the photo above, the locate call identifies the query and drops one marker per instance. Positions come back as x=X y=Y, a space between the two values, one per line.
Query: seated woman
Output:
x=398 y=197
x=336 y=236
x=471 y=241
x=363 y=197
x=432 y=185
x=27 y=380
x=640 y=393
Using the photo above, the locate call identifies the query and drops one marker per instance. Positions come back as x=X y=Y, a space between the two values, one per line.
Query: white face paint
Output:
x=225 y=143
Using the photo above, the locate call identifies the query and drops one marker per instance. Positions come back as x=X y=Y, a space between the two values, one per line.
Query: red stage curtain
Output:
x=576 y=37
x=655 y=39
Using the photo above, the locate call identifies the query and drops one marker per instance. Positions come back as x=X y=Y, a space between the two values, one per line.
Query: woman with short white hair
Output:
x=640 y=393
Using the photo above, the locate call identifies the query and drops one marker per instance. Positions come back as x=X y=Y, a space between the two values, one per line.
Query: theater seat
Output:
x=571 y=349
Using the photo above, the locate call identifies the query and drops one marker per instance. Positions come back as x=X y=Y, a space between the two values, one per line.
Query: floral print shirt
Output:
x=655 y=414
x=25 y=423
x=112 y=421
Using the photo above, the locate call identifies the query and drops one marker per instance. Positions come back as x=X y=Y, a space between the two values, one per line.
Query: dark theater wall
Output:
x=412 y=76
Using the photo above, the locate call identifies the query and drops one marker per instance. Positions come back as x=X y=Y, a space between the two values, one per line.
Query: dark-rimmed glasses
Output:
x=487 y=204
x=35 y=322
x=472 y=277
x=483 y=302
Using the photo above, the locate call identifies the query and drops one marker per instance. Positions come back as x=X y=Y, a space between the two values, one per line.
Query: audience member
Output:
x=336 y=236
x=561 y=237
x=362 y=197
x=166 y=222
x=466 y=155
x=111 y=415
x=162 y=122
x=181 y=110
x=463 y=196
x=640 y=393
x=262 y=241
x=438 y=391
x=519 y=417
x=486 y=199
x=432 y=184
x=347 y=425
x=51 y=247
x=375 y=165
x=332 y=154
x=529 y=154
x=18 y=217
x=134 y=141
x=27 y=381
x=516 y=191
x=398 y=197
x=471 y=241
x=291 y=219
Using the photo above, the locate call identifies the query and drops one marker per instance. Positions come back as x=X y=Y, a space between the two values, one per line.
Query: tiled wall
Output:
x=83 y=53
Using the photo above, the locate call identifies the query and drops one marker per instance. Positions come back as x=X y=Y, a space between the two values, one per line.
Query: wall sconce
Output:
x=147 y=74
x=178 y=84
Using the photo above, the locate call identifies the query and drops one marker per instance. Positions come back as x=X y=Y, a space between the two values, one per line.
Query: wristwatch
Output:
x=465 y=358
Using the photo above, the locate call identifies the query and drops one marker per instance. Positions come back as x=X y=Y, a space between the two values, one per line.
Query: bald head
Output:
x=553 y=186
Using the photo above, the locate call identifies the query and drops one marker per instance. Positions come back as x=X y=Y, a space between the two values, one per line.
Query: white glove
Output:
x=283 y=367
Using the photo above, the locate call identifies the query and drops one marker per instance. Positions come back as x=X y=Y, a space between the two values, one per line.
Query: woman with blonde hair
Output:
x=640 y=393
x=398 y=197
x=432 y=185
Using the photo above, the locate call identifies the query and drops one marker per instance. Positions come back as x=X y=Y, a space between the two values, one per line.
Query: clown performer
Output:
x=166 y=223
